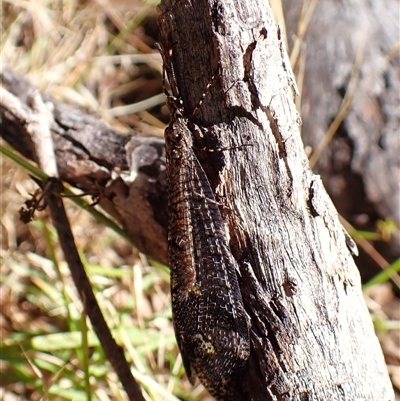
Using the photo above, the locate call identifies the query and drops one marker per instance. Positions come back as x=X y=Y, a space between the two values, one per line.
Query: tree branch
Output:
x=125 y=171
x=298 y=281
x=36 y=124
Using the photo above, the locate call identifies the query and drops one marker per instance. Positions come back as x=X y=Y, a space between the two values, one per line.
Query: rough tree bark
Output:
x=361 y=161
x=125 y=172
x=311 y=334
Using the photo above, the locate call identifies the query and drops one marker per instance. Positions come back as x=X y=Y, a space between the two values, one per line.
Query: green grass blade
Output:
x=385 y=275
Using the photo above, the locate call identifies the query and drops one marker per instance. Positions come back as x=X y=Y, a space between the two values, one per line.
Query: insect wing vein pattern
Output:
x=209 y=318
x=210 y=322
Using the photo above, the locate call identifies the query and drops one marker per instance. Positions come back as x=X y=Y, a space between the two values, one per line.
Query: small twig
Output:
x=112 y=350
x=304 y=21
x=36 y=123
x=39 y=129
x=14 y=106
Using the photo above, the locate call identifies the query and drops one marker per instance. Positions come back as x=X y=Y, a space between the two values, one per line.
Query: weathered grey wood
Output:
x=311 y=334
x=359 y=164
x=319 y=296
x=126 y=171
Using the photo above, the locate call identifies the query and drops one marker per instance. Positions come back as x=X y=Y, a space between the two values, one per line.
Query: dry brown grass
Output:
x=97 y=55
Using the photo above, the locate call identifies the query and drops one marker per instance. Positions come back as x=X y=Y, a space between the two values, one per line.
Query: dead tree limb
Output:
x=36 y=125
x=312 y=337
x=126 y=172
x=311 y=334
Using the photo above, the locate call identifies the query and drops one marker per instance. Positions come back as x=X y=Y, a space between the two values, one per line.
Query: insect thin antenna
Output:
x=164 y=61
x=197 y=108
x=168 y=68
x=174 y=100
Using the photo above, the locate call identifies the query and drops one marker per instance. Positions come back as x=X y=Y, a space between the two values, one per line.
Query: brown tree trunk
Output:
x=311 y=334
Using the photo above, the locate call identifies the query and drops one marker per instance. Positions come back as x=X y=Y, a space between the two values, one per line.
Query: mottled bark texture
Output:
x=311 y=335
x=361 y=164
x=126 y=172
x=359 y=167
